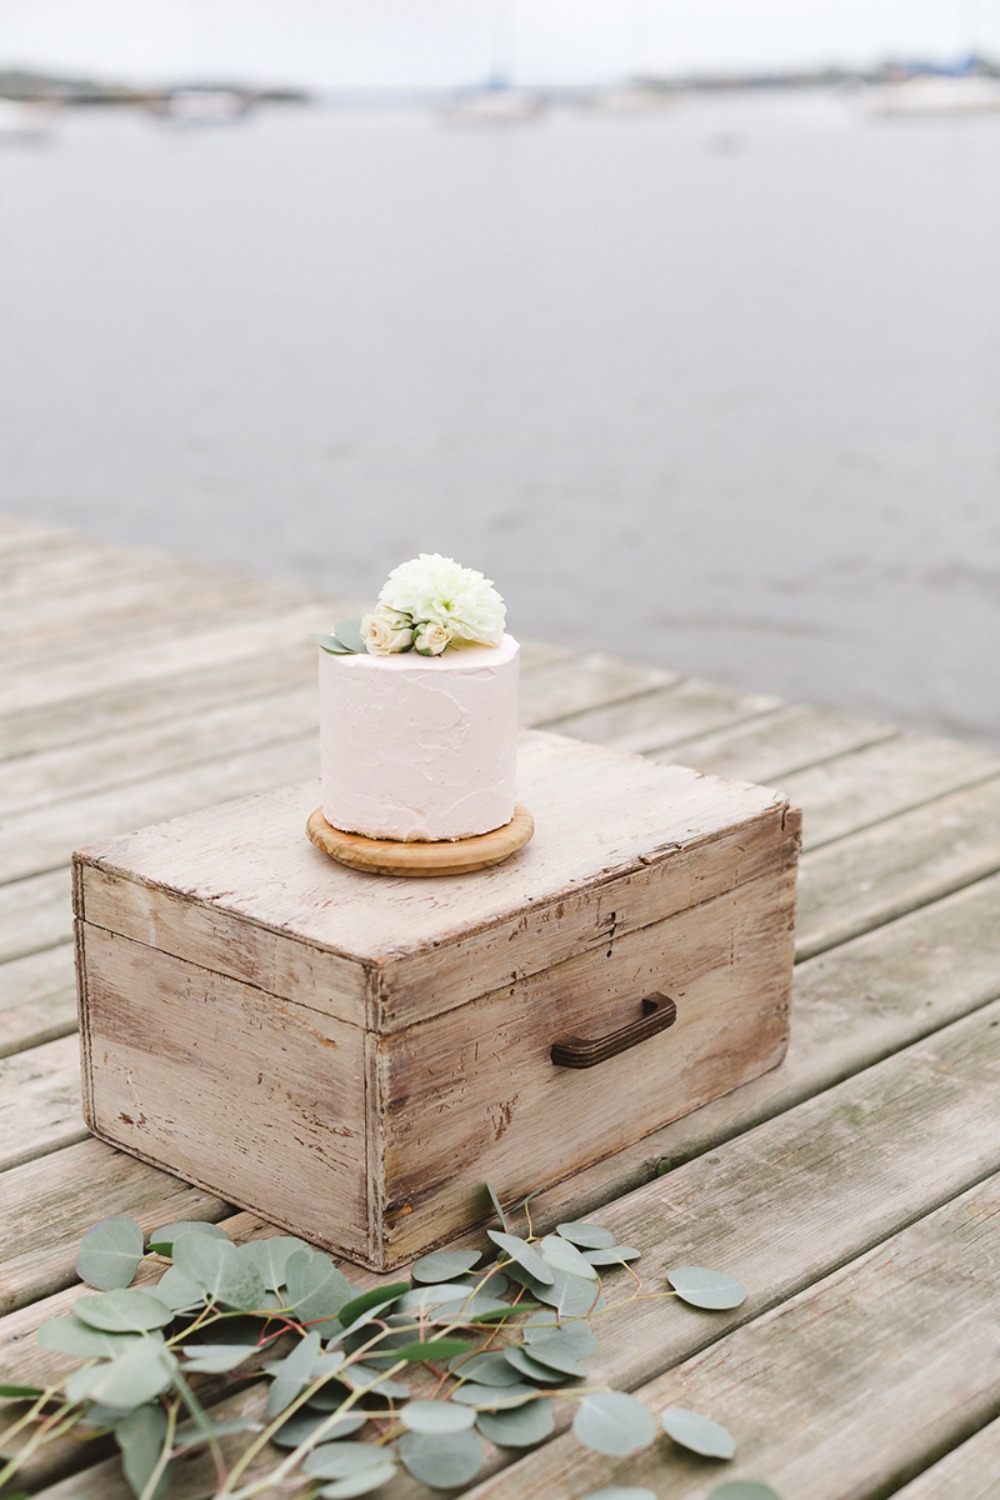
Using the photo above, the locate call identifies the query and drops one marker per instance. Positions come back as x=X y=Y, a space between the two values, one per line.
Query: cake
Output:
x=418 y=709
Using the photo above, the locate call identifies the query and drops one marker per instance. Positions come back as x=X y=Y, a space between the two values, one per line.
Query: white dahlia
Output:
x=435 y=590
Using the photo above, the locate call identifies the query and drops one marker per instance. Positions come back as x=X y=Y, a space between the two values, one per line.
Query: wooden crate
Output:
x=353 y=1056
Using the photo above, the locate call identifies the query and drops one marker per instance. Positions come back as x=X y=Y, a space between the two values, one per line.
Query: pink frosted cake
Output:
x=418 y=709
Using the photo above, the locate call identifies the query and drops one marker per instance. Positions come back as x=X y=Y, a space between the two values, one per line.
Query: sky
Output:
x=390 y=43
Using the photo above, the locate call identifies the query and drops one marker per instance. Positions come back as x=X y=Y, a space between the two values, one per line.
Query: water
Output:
x=716 y=388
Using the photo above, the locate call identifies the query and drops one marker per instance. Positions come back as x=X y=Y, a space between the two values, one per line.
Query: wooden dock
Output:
x=855 y=1190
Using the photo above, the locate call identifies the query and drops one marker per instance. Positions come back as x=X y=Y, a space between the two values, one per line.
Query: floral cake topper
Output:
x=425 y=605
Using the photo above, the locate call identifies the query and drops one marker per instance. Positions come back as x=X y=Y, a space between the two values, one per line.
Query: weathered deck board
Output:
x=849 y=1188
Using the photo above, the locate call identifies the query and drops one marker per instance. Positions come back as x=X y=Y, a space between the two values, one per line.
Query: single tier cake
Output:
x=418 y=710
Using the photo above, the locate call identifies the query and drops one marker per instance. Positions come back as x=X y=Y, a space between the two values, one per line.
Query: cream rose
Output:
x=386 y=631
x=430 y=638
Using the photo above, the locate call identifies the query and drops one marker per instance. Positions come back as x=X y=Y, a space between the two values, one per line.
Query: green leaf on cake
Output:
x=330 y=644
x=348 y=633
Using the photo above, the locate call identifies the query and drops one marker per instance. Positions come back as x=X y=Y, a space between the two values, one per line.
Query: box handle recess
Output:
x=658 y=1012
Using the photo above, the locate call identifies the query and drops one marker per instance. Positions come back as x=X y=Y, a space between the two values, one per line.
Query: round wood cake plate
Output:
x=399 y=857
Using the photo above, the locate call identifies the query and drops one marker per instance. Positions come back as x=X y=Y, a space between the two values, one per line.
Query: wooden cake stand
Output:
x=397 y=857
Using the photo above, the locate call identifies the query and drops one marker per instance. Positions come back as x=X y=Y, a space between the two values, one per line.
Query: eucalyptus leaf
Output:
x=547 y=1343
x=521 y=1428
x=218 y=1268
x=70 y=1336
x=617 y=1255
x=614 y=1423
x=586 y=1236
x=525 y=1255
x=708 y=1289
x=162 y=1241
x=442 y=1461
x=497 y=1207
x=294 y=1373
x=700 y=1434
x=561 y=1255
x=129 y=1380
x=110 y=1253
x=330 y=644
x=300 y=1428
x=215 y=1359
x=551 y=1354
x=360 y=1484
x=570 y=1296
x=348 y=633
x=317 y=1291
x=341 y=1460
x=140 y=1438
x=364 y=1377
x=437 y=1416
x=485 y=1369
x=423 y=1297
x=197 y=1437
x=270 y=1257
x=444 y=1265
x=474 y=1309
x=123 y=1310
x=520 y=1360
x=178 y=1291
x=377 y=1300
x=744 y=1489
x=494 y=1397
x=421 y=1350
x=21 y=1392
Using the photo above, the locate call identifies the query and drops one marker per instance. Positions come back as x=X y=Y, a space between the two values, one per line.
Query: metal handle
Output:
x=658 y=1012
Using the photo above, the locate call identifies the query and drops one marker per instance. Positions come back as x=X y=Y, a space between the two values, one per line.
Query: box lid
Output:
x=620 y=842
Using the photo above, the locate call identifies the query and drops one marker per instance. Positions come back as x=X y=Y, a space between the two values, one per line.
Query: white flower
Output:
x=386 y=631
x=436 y=590
x=430 y=638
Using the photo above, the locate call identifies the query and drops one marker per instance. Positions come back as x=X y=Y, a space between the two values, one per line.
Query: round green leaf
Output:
x=443 y=1461
x=343 y=1460
x=616 y=1256
x=444 y=1265
x=316 y=1289
x=615 y=1423
x=485 y=1369
x=533 y=1369
x=437 y=1416
x=140 y=1440
x=494 y=1397
x=551 y=1353
x=474 y=1309
x=123 y=1310
x=571 y=1296
x=576 y=1340
x=330 y=644
x=497 y=1206
x=363 y=1377
x=524 y=1254
x=178 y=1291
x=302 y=1426
x=561 y=1255
x=271 y=1256
x=292 y=1374
x=709 y=1289
x=216 y=1359
x=110 y=1254
x=163 y=1240
x=743 y=1489
x=620 y=1492
x=352 y=1314
x=70 y=1336
x=521 y=1428
x=219 y=1269
x=587 y=1236
x=423 y=1297
x=348 y=633
x=698 y=1433
x=360 y=1484
x=129 y=1380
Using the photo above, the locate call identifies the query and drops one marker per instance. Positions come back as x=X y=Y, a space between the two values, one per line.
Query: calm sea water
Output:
x=717 y=388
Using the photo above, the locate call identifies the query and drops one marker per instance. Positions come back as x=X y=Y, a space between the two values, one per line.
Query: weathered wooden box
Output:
x=353 y=1056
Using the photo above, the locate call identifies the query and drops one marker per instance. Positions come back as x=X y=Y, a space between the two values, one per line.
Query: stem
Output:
x=45 y=1433
x=202 y=1422
x=152 y=1483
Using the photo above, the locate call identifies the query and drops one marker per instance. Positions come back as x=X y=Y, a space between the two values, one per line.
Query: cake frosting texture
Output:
x=416 y=747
